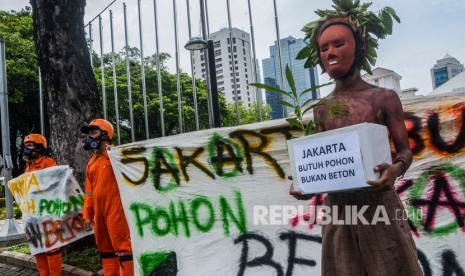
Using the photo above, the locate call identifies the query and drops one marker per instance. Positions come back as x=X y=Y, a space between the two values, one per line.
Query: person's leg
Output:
x=126 y=265
x=54 y=262
x=110 y=260
x=340 y=254
x=118 y=232
x=387 y=248
x=42 y=264
x=110 y=263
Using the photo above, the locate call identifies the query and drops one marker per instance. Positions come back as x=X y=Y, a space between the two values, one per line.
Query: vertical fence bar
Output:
x=207 y=18
x=41 y=104
x=178 y=80
x=90 y=44
x=115 y=85
x=207 y=70
x=258 y=94
x=128 y=74
x=236 y=100
x=194 y=86
x=102 y=67
x=144 y=90
x=276 y=20
x=160 y=90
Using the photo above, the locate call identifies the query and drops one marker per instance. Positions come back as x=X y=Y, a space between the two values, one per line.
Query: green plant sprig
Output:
x=295 y=98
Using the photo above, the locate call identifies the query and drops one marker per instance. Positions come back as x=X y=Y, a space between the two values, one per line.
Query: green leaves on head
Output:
x=367 y=23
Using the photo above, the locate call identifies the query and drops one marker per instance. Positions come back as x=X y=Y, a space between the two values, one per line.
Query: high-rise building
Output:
x=445 y=69
x=243 y=65
x=304 y=78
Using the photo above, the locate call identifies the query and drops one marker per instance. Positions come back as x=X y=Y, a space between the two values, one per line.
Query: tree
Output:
x=22 y=76
x=71 y=90
x=247 y=115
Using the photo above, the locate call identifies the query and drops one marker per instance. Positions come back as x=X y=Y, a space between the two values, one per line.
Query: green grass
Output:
x=21 y=248
x=88 y=258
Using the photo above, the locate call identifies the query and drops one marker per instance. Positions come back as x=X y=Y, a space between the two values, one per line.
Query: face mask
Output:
x=27 y=154
x=90 y=144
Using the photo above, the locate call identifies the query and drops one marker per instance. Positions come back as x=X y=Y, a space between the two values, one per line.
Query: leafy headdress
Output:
x=363 y=22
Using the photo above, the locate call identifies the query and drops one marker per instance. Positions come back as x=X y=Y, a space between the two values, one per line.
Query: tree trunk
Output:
x=71 y=90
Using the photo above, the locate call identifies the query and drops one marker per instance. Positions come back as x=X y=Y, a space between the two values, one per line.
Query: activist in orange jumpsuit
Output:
x=102 y=203
x=35 y=146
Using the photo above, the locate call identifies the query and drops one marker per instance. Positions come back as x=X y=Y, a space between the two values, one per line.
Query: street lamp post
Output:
x=10 y=229
x=195 y=44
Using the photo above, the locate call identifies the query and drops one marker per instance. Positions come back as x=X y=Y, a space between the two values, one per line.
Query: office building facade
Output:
x=230 y=79
x=445 y=69
x=304 y=78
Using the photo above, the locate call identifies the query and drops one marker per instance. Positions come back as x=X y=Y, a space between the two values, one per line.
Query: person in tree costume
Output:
x=35 y=149
x=342 y=42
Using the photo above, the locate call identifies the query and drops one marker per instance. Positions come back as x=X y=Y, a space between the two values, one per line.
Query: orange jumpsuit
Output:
x=48 y=264
x=102 y=204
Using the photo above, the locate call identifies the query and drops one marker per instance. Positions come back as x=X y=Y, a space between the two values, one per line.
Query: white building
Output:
x=384 y=78
x=391 y=80
x=243 y=65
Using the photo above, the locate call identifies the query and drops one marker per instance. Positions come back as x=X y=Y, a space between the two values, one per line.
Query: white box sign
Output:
x=340 y=159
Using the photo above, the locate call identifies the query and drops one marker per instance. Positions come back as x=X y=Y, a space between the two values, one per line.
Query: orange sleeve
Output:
x=49 y=162
x=88 y=209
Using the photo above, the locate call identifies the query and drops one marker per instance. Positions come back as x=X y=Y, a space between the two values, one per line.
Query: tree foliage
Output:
x=170 y=100
x=22 y=79
x=247 y=115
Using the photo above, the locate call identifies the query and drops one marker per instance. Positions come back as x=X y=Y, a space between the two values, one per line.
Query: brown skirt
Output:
x=375 y=249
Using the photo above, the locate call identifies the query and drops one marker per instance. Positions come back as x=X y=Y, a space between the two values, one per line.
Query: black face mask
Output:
x=28 y=154
x=90 y=143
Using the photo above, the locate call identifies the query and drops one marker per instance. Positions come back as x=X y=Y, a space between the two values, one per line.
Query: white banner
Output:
x=216 y=202
x=51 y=202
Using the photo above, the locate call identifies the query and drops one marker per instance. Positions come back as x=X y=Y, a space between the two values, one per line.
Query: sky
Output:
x=428 y=30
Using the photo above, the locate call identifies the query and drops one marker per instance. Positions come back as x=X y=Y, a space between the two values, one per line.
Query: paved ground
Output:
x=11 y=270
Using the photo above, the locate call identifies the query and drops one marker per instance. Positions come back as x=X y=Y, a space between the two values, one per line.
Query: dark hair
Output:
x=359 y=46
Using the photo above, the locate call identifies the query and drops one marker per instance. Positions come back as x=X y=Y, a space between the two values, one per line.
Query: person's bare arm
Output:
x=394 y=117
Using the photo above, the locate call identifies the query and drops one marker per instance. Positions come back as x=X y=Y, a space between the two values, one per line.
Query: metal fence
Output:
x=160 y=26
